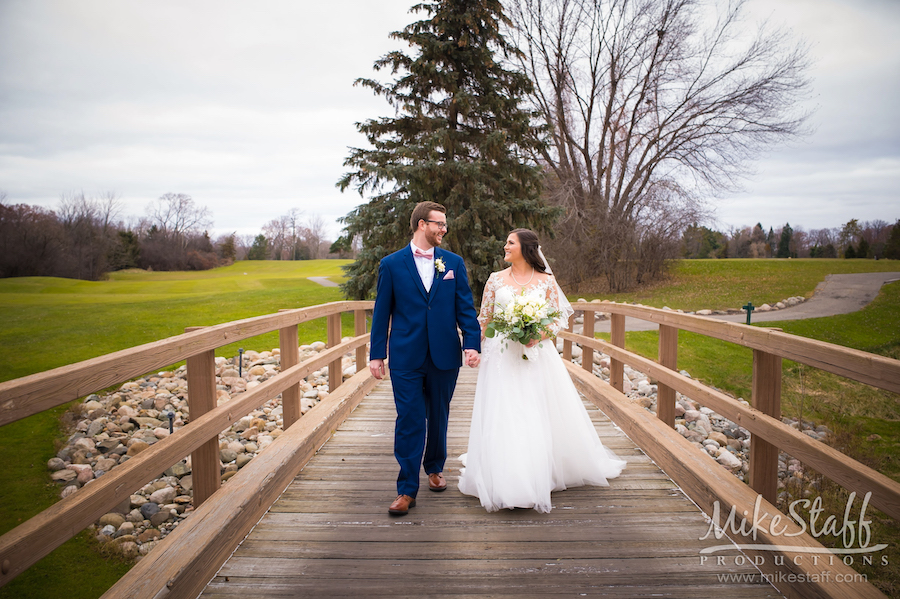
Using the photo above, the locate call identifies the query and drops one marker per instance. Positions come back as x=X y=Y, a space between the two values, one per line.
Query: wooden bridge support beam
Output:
x=587 y=354
x=567 y=344
x=617 y=367
x=201 y=381
x=668 y=357
x=359 y=323
x=766 y=397
x=289 y=344
x=335 y=370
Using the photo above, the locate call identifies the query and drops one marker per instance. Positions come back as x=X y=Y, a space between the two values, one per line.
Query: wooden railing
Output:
x=32 y=540
x=715 y=490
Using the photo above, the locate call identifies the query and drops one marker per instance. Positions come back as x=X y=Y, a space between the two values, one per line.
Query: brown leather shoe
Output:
x=401 y=505
x=436 y=482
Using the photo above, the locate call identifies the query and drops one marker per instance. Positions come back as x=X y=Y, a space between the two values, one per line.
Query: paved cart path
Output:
x=837 y=294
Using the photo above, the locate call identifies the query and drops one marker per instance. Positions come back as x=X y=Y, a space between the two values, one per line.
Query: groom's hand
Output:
x=472 y=358
x=376 y=367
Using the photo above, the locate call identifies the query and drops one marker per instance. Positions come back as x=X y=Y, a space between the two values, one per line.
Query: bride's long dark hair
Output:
x=529 y=242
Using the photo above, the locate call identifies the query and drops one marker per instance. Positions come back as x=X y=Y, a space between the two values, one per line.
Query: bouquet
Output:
x=523 y=320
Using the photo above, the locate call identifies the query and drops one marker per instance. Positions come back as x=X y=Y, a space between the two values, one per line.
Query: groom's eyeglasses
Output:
x=441 y=224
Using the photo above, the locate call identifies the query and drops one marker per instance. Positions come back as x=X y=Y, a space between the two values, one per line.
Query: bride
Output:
x=530 y=433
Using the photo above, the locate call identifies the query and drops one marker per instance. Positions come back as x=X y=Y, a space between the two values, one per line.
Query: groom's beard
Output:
x=433 y=238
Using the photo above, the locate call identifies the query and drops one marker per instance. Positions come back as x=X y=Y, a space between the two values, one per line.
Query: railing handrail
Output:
x=844 y=470
x=872 y=369
x=35 y=538
x=35 y=393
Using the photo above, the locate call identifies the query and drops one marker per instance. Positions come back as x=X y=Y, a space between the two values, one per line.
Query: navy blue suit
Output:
x=425 y=354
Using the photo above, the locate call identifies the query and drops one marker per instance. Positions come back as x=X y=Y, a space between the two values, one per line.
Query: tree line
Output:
x=870 y=239
x=86 y=237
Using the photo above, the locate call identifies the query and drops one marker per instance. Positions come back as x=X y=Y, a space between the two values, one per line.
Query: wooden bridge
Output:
x=308 y=515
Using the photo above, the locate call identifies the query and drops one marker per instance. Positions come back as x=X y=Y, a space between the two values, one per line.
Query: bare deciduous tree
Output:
x=177 y=238
x=651 y=105
x=175 y=215
x=315 y=232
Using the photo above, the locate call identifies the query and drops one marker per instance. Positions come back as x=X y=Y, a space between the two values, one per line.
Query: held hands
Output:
x=472 y=358
x=376 y=367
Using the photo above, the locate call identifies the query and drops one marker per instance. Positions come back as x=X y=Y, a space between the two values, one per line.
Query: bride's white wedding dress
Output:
x=530 y=433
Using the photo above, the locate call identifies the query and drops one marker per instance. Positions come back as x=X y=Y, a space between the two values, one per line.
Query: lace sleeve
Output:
x=558 y=302
x=487 y=302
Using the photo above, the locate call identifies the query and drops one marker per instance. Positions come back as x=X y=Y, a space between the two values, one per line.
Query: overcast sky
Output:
x=250 y=107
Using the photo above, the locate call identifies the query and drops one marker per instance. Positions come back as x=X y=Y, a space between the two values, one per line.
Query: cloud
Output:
x=250 y=107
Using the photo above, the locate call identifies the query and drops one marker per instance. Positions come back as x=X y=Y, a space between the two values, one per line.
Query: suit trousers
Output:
x=422 y=398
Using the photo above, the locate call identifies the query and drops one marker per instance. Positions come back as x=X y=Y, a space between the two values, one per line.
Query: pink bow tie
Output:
x=420 y=254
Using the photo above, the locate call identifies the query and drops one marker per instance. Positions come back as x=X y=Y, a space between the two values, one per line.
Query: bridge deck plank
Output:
x=329 y=535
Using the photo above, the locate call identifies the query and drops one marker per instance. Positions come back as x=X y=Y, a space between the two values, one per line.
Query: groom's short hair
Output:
x=422 y=211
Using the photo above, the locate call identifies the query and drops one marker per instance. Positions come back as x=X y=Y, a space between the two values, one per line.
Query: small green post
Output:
x=749 y=308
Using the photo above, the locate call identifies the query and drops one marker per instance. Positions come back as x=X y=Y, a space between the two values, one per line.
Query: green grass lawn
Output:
x=723 y=284
x=51 y=322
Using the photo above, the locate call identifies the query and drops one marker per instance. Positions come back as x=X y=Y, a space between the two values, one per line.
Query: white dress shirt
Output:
x=425 y=266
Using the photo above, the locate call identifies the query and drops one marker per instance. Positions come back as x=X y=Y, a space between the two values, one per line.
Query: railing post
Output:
x=587 y=329
x=289 y=344
x=767 y=399
x=567 y=345
x=617 y=367
x=201 y=382
x=668 y=357
x=335 y=372
x=359 y=324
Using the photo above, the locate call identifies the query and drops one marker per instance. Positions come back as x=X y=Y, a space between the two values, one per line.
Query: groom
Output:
x=424 y=293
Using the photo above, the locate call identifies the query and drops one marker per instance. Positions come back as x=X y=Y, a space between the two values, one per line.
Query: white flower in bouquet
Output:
x=523 y=320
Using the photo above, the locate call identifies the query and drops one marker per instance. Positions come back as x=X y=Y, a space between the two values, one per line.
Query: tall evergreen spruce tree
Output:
x=459 y=138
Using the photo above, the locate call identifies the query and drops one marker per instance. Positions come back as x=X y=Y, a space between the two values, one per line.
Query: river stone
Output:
x=136 y=447
x=112 y=519
x=135 y=516
x=160 y=517
x=718 y=438
x=64 y=476
x=227 y=455
x=149 y=509
x=129 y=549
x=148 y=422
x=55 y=464
x=127 y=528
x=178 y=470
x=151 y=534
x=187 y=483
x=85 y=444
x=91 y=405
x=107 y=445
x=243 y=459
x=728 y=459
x=96 y=427
x=163 y=496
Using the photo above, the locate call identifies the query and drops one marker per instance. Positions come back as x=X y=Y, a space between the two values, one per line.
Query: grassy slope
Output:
x=51 y=322
x=722 y=284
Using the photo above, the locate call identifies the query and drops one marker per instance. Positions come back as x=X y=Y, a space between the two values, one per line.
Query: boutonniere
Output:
x=439 y=265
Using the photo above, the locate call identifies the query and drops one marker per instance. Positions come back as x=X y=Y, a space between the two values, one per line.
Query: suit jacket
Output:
x=421 y=320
